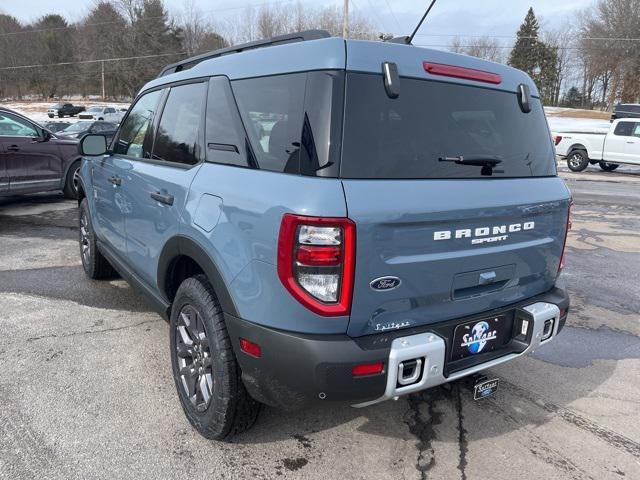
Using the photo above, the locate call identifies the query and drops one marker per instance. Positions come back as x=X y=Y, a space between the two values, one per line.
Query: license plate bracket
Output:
x=480 y=336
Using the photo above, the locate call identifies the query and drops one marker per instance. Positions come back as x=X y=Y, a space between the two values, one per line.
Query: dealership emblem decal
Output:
x=478 y=338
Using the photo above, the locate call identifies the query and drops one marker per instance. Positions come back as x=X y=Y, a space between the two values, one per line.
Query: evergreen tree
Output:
x=534 y=57
x=573 y=98
x=524 y=55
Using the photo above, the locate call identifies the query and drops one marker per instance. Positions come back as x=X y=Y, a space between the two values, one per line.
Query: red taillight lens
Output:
x=316 y=262
x=319 y=256
x=461 y=72
x=564 y=246
x=557 y=139
x=250 y=348
x=367 y=369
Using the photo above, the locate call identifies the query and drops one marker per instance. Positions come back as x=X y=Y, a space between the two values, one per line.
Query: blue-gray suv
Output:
x=325 y=220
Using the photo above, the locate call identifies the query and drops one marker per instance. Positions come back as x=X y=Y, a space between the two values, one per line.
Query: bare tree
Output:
x=486 y=48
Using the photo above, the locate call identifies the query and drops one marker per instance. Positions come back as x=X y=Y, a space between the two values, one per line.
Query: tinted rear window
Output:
x=406 y=137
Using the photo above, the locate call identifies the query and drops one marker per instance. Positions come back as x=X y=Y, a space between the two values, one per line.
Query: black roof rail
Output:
x=267 y=42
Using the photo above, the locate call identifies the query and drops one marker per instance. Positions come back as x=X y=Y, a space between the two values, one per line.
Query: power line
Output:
x=527 y=38
x=79 y=62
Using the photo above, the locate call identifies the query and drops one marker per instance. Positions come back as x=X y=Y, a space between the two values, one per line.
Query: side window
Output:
x=272 y=109
x=133 y=140
x=109 y=110
x=636 y=130
x=624 y=129
x=225 y=136
x=12 y=126
x=178 y=132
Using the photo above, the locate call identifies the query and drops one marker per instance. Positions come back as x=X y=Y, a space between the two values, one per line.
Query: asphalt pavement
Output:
x=86 y=390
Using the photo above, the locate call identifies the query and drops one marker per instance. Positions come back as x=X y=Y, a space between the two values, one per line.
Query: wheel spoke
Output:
x=184 y=335
x=190 y=324
x=204 y=389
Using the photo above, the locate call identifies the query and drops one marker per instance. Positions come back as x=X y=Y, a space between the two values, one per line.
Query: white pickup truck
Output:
x=621 y=144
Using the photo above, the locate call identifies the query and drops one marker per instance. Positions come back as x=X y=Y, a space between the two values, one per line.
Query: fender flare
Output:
x=182 y=245
x=577 y=146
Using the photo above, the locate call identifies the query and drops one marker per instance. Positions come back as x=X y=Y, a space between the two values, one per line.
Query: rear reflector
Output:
x=250 y=348
x=367 y=369
x=462 y=72
x=319 y=256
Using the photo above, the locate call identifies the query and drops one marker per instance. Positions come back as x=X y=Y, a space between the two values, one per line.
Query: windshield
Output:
x=94 y=109
x=441 y=130
x=78 y=127
x=56 y=105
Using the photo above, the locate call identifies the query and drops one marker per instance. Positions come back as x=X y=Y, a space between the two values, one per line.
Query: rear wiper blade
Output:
x=478 y=160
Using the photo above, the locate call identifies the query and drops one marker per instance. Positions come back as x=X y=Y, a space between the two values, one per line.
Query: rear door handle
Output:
x=631 y=143
x=13 y=148
x=165 y=198
x=116 y=180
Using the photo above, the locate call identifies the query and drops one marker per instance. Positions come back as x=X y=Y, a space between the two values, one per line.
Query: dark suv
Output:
x=32 y=159
x=329 y=220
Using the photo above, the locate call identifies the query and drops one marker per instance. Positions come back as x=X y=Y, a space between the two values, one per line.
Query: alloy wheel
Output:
x=575 y=160
x=76 y=180
x=194 y=358
x=85 y=241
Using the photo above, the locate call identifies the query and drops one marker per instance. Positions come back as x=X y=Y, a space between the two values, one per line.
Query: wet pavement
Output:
x=86 y=389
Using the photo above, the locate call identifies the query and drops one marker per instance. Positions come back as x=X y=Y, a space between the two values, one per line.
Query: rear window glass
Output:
x=624 y=129
x=431 y=124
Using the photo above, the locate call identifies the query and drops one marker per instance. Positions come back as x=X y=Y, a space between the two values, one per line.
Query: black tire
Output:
x=60 y=115
x=93 y=262
x=51 y=116
x=71 y=183
x=230 y=409
x=101 y=119
x=577 y=160
x=608 y=167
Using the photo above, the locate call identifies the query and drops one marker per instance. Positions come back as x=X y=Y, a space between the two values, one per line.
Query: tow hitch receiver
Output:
x=484 y=387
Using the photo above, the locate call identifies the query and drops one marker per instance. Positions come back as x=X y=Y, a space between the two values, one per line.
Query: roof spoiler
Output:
x=268 y=42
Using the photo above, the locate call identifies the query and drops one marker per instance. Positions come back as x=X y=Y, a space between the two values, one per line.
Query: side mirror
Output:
x=45 y=135
x=93 y=145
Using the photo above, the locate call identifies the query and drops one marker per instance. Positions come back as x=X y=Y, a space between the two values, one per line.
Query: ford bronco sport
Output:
x=325 y=220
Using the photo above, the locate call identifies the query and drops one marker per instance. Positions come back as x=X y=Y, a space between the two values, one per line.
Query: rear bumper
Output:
x=298 y=369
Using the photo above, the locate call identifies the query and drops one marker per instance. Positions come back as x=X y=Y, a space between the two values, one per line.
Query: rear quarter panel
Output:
x=244 y=225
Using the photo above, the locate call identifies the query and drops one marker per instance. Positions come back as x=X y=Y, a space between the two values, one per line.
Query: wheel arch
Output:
x=182 y=256
x=577 y=146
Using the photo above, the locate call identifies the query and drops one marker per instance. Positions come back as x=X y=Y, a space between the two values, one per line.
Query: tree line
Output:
x=592 y=60
x=142 y=36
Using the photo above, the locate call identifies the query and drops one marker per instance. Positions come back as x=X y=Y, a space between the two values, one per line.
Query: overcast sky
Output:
x=448 y=18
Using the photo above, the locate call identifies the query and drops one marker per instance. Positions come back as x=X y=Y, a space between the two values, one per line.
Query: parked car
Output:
x=621 y=145
x=32 y=159
x=81 y=128
x=63 y=110
x=397 y=222
x=109 y=114
x=56 y=126
x=626 y=110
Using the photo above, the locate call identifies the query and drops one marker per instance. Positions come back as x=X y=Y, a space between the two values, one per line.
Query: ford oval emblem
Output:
x=385 y=283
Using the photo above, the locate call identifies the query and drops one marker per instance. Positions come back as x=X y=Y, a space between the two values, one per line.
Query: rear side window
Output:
x=294 y=121
x=133 y=139
x=624 y=129
x=636 y=130
x=12 y=126
x=272 y=111
x=225 y=136
x=421 y=133
x=177 y=139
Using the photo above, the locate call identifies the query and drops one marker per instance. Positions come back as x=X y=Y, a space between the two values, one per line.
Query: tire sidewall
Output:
x=584 y=160
x=70 y=190
x=213 y=422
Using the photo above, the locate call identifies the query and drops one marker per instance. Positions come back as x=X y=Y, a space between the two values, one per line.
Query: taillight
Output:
x=557 y=139
x=462 y=72
x=566 y=235
x=316 y=262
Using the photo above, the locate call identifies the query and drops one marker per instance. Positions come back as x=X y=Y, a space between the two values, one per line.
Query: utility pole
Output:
x=103 y=95
x=345 y=22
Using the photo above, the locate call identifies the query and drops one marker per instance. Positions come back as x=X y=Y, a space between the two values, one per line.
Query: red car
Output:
x=32 y=159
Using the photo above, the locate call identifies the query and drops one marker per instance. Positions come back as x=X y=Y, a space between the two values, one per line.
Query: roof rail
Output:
x=268 y=42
